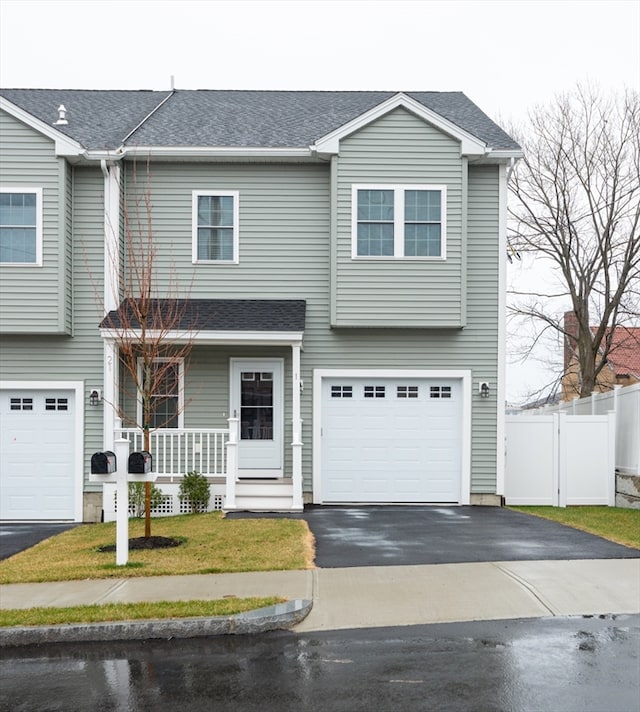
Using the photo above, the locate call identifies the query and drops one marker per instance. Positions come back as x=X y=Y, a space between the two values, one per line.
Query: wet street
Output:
x=585 y=664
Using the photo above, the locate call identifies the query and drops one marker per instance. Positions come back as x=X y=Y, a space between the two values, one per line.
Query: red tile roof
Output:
x=624 y=357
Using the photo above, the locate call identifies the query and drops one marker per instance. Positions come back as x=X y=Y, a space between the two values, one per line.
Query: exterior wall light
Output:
x=95 y=396
x=483 y=389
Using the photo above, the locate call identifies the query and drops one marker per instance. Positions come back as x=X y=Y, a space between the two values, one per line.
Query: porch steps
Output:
x=263 y=496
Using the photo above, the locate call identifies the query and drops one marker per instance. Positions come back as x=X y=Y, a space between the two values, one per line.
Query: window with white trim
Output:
x=215 y=226
x=167 y=389
x=399 y=221
x=21 y=226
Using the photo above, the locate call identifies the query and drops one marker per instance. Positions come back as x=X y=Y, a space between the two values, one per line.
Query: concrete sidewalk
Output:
x=359 y=597
x=442 y=593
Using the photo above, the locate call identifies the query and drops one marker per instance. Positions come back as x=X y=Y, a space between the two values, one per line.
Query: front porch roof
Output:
x=275 y=321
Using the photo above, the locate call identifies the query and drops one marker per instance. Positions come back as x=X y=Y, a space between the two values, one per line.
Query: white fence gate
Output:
x=625 y=403
x=560 y=459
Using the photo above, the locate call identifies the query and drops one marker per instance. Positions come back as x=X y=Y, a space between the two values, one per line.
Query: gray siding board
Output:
x=34 y=299
x=483 y=260
x=58 y=358
x=283 y=230
x=398 y=149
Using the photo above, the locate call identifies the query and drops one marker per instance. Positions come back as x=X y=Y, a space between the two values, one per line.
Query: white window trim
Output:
x=194 y=225
x=398 y=214
x=38 y=194
x=180 y=362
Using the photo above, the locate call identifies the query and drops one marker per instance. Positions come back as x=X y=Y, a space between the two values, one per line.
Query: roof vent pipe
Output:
x=62 y=116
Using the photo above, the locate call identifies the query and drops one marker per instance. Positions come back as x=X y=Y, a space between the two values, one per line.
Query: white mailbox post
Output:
x=105 y=468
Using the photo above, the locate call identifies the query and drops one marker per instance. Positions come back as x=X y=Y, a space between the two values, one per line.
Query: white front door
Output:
x=256 y=400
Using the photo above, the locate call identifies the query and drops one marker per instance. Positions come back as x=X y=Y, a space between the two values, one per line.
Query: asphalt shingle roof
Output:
x=260 y=119
x=215 y=315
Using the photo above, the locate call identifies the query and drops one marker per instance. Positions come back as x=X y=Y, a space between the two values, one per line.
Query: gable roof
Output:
x=106 y=120
x=624 y=356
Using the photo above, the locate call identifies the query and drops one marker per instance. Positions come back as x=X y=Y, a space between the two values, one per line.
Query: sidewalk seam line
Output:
x=111 y=590
x=529 y=587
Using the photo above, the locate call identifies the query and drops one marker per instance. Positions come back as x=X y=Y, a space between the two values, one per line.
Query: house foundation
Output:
x=627 y=490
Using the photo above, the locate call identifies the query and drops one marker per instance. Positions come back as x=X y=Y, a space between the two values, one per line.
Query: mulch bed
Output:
x=142 y=542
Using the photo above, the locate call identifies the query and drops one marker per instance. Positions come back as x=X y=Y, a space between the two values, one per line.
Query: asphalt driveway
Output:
x=18 y=536
x=407 y=536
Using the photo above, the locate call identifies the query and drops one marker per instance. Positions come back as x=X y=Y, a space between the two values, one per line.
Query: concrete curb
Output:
x=279 y=617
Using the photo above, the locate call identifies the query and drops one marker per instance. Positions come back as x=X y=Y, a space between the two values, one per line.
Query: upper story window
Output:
x=399 y=221
x=215 y=226
x=21 y=226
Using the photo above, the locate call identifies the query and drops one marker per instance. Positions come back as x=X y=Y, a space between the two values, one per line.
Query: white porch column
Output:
x=110 y=396
x=232 y=464
x=296 y=444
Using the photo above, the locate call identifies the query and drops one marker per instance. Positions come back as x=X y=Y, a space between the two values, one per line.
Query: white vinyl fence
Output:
x=625 y=403
x=560 y=459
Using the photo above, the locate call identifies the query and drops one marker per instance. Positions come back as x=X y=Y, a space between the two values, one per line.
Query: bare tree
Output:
x=152 y=333
x=575 y=203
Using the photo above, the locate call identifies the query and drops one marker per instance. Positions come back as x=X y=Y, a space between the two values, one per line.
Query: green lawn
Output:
x=212 y=544
x=614 y=523
x=131 y=611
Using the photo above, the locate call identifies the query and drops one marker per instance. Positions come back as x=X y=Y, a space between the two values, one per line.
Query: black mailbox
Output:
x=103 y=463
x=140 y=463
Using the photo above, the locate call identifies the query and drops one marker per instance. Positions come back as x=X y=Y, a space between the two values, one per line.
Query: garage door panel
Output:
x=407 y=486
x=37 y=454
x=403 y=447
x=21 y=504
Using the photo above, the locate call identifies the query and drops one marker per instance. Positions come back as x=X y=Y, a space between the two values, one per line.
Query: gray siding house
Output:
x=334 y=260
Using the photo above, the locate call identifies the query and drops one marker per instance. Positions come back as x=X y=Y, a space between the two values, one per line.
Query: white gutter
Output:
x=235 y=338
x=204 y=152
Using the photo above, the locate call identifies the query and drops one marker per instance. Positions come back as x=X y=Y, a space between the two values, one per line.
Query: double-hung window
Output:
x=215 y=226
x=399 y=221
x=166 y=377
x=21 y=226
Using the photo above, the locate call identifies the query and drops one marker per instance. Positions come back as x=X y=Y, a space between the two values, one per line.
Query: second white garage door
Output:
x=391 y=440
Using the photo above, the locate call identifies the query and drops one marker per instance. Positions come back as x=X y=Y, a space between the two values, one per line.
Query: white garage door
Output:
x=37 y=450
x=391 y=440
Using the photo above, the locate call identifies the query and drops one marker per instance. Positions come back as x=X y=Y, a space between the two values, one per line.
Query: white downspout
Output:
x=111 y=297
x=503 y=178
x=111 y=175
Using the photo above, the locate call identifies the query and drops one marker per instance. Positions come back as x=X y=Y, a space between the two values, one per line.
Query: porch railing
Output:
x=178 y=451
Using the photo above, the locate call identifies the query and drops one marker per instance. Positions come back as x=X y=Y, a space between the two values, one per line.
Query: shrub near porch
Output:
x=212 y=544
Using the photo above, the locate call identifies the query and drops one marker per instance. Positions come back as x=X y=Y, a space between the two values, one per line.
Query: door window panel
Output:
x=256 y=405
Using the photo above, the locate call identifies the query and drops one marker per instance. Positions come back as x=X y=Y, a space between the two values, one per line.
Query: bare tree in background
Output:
x=575 y=203
x=152 y=337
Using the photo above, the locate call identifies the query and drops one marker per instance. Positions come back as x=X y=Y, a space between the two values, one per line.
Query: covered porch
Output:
x=236 y=416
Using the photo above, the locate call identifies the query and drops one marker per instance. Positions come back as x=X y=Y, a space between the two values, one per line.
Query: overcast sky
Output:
x=506 y=55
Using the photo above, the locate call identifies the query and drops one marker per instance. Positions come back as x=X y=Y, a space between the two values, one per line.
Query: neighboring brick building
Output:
x=623 y=360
